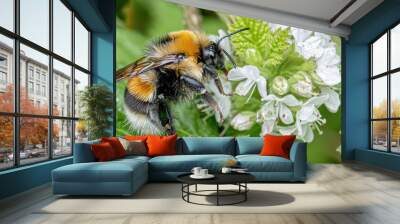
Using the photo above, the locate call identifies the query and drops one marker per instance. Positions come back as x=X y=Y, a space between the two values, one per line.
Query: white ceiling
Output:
x=316 y=15
x=320 y=9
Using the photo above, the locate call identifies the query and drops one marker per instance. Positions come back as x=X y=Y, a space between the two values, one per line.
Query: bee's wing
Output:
x=146 y=64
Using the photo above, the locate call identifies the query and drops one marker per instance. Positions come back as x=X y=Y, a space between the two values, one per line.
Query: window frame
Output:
x=388 y=74
x=16 y=115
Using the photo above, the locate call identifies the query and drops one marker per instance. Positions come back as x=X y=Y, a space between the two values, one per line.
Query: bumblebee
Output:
x=175 y=67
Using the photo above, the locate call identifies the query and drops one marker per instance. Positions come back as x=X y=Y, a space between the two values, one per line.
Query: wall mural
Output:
x=202 y=73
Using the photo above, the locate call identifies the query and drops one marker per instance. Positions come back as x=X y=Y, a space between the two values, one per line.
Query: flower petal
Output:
x=290 y=100
x=286 y=130
x=306 y=114
x=317 y=101
x=330 y=75
x=251 y=71
x=269 y=111
x=268 y=127
x=262 y=87
x=243 y=88
x=333 y=101
x=285 y=114
x=236 y=74
x=308 y=134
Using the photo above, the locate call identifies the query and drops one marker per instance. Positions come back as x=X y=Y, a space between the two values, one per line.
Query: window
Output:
x=6 y=74
x=3 y=77
x=41 y=123
x=30 y=87
x=385 y=94
x=37 y=89
x=34 y=21
x=3 y=69
x=81 y=45
x=3 y=61
x=30 y=72
x=44 y=91
x=7 y=14
x=38 y=72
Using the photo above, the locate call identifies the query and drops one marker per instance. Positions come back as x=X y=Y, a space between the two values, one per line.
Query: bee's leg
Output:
x=197 y=86
x=169 y=126
x=214 y=75
x=154 y=116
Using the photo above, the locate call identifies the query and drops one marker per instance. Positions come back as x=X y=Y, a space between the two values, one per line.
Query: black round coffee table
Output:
x=238 y=179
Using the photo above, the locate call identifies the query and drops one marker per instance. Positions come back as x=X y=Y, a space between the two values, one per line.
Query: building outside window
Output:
x=30 y=72
x=43 y=90
x=57 y=126
x=30 y=87
x=3 y=72
x=385 y=92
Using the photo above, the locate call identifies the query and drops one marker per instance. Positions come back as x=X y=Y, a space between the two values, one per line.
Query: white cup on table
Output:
x=203 y=172
x=196 y=171
x=226 y=170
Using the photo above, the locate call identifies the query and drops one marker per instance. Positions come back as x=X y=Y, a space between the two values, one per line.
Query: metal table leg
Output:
x=217 y=194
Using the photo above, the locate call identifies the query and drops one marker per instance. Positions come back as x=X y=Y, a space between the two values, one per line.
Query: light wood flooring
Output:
x=377 y=188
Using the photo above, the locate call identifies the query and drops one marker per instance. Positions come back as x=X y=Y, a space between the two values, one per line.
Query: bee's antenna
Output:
x=230 y=34
x=229 y=57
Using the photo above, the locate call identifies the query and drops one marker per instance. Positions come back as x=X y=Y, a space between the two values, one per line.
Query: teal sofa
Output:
x=125 y=176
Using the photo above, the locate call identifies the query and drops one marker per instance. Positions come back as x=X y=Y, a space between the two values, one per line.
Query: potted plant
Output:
x=96 y=103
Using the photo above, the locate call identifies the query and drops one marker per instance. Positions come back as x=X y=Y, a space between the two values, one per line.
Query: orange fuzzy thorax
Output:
x=184 y=41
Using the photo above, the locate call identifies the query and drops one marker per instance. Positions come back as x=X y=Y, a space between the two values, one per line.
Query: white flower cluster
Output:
x=320 y=47
x=282 y=112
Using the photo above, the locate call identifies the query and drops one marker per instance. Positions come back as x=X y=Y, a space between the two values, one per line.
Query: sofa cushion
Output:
x=161 y=145
x=103 y=152
x=257 y=163
x=249 y=145
x=207 y=145
x=275 y=145
x=113 y=171
x=83 y=152
x=116 y=145
x=185 y=163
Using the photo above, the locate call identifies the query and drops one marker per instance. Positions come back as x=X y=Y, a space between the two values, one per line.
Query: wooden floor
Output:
x=379 y=189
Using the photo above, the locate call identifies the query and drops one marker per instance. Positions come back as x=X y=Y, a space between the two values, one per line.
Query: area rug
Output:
x=166 y=198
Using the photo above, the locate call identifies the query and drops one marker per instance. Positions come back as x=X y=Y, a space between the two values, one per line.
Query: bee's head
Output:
x=213 y=54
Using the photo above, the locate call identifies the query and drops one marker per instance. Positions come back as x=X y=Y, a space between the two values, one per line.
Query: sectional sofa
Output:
x=125 y=176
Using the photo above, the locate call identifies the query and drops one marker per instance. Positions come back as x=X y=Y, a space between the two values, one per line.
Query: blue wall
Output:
x=99 y=15
x=103 y=52
x=356 y=85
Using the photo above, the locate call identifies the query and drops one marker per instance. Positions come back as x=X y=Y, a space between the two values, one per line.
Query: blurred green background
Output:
x=141 y=21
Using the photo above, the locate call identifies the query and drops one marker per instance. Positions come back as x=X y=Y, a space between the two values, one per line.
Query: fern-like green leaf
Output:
x=278 y=46
x=255 y=38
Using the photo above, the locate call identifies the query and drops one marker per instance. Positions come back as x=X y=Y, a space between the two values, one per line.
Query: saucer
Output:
x=208 y=176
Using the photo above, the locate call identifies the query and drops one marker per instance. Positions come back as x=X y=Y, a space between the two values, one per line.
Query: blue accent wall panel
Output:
x=356 y=127
x=103 y=53
x=24 y=178
x=380 y=159
x=356 y=123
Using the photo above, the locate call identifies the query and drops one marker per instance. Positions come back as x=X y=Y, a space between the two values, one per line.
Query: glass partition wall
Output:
x=44 y=58
x=385 y=91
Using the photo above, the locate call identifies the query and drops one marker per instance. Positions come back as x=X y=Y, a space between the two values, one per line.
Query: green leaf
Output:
x=189 y=121
x=255 y=38
x=277 y=47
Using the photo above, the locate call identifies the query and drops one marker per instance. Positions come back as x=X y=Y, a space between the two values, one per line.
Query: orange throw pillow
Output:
x=116 y=145
x=161 y=145
x=277 y=145
x=103 y=152
x=135 y=137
